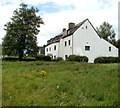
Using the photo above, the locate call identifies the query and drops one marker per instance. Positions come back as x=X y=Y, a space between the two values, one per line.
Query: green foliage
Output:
x=71 y=58
x=16 y=58
x=77 y=58
x=59 y=59
x=65 y=84
x=43 y=57
x=40 y=57
x=118 y=45
x=106 y=32
x=29 y=59
x=47 y=58
x=11 y=58
x=107 y=60
x=21 y=32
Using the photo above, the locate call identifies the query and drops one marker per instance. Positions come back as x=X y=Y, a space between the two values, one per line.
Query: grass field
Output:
x=63 y=84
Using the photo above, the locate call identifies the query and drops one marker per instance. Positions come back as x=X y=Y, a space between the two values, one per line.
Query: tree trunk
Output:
x=20 y=54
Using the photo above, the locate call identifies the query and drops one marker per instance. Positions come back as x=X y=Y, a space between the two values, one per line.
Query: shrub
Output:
x=40 y=57
x=107 y=60
x=78 y=58
x=11 y=58
x=43 y=57
x=59 y=59
x=47 y=58
x=29 y=59
x=71 y=58
x=53 y=60
x=84 y=59
x=16 y=58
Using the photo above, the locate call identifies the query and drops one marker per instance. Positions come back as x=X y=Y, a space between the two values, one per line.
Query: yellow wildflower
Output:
x=43 y=73
x=33 y=71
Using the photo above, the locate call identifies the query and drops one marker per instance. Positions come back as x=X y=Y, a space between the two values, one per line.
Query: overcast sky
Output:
x=58 y=13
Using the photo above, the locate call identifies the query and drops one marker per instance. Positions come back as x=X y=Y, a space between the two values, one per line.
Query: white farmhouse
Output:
x=81 y=39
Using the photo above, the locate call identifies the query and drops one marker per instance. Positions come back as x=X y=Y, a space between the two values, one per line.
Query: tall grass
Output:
x=64 y=84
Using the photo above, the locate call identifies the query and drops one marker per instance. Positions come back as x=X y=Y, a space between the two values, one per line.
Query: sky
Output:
x=56 y=14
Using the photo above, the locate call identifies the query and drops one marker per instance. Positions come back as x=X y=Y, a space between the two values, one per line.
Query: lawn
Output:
x=63 y=84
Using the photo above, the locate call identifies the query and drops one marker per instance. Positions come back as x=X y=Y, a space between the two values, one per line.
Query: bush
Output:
x=71 y=58
x=47 y=58
x=78 y=58
x=40 y=57
x=11 y=58
x=16 y=58
x=29 y=59
x=43 y=57
x=107 y=60
x=59 y=59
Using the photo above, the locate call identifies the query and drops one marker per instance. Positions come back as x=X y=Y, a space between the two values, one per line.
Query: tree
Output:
x=21 y=32
x=106 y=32
x=118 y=45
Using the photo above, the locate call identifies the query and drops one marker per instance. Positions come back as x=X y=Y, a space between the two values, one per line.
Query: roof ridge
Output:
x=70 y=31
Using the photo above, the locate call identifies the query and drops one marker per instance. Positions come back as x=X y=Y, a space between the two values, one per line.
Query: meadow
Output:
x=59 y=84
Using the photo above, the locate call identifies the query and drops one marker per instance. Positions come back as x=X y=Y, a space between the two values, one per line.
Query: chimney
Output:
x=64 y=29
x=71 y=25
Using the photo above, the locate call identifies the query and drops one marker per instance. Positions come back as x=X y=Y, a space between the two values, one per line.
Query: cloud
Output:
x=58 y=13
x=6 y=12
x=55 y=22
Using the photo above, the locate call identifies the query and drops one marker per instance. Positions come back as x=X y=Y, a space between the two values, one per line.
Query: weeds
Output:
x=59 y=84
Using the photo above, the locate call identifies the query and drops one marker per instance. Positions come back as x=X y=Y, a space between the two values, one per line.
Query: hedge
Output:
x=43 y=57
x=38 y=57
x=78 y=58
x=107 y=60
x=29 y=59
x=11 y=58
x=59 y=59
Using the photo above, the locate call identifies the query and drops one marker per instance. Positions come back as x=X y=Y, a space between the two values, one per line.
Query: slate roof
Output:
x=65 y=34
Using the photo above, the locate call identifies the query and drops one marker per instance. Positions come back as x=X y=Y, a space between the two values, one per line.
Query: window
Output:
x=109 y=48
x=65 y=43
x=54 y=47
x=66 y=57
x=54 y=56
x=69 y=42
x=86 y=27
x=47 y=49
x=87 y=48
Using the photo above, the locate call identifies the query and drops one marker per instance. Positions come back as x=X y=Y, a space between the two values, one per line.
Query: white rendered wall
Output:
x=98 y=47
x=52 y=52
x=83 y=37
x=65 y=50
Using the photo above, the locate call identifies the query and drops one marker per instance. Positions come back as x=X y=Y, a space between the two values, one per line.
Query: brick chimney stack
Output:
x=71 y=25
